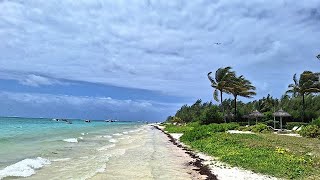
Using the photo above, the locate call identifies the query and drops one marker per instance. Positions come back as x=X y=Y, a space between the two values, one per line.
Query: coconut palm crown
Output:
x=220 y=83
x=240 y=87
x=307 y=83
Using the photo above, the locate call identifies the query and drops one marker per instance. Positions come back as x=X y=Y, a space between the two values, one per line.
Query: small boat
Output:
x=87 y=121
x=110 y=120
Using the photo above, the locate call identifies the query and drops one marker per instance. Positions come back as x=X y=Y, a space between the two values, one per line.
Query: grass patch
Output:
x=279 y=156
x=180 y=129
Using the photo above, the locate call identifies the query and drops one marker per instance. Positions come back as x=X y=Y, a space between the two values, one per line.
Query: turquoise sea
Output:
x=31 y=147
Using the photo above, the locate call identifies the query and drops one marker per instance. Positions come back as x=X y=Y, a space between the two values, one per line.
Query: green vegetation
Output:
x=303 y=105
x=180 y=129
x=267 y=153
x=307 y=83
x=311 y=131
x=221 y=83
x=204 y=125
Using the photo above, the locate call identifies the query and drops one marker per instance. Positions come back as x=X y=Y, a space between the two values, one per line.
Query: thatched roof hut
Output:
x=281 y=113
x=256 y=114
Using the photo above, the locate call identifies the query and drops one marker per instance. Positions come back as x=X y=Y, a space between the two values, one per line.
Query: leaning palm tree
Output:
x=219 y=83
x=240 y=87
x=307 y=84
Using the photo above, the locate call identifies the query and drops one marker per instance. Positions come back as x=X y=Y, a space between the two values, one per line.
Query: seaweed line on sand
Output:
x=202 y=169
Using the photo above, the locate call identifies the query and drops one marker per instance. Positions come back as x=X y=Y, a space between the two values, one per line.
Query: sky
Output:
x=143 y=59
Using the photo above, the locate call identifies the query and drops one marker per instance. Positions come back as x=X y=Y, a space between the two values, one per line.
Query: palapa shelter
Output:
x=256 y=114
x=247 y=117
x=228 y=116
x=281 y=113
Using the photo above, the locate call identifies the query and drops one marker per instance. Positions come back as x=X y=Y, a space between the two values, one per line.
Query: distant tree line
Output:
x=301 y=100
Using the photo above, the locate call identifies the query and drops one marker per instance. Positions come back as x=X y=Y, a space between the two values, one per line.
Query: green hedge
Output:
x=311 y=131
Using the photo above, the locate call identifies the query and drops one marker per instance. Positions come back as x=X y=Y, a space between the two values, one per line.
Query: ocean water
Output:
x=43 y=148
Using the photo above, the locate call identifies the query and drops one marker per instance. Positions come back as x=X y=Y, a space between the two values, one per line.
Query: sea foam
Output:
x=113 y=140
x=24 y=168
x=61 y=159
x=71 y=140
x=117 y=134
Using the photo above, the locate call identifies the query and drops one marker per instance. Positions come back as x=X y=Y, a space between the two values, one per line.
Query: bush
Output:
x=197 y=133
x=311 y=131
x=177 y=129
x=244 y=128
x=269 y=123
x=290 y=125
x=211 y=115
x=202 y=132
x=316 y=122
x=260 y=128
x=243 y=123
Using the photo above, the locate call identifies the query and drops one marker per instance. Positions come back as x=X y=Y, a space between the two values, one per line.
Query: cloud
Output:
x=82 y=106
x=34 y=80
x=165 y=46
x=31 y=79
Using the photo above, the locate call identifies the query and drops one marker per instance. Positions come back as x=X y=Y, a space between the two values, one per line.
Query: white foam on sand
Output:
x=107 y=136
x=82 y=134
x=71 y=140
x=113 y=140
x=61 y=159
x=125 y=132
x=117 y=134
x=102 y=169
x=24 y=168
x=106 y=147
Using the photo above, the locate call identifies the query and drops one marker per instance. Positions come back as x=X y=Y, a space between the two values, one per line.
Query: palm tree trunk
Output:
x=224 y=117
x=303 y=108
x=235 y=108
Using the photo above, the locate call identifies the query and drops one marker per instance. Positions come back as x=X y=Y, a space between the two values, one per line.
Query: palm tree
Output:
x=307 y=84
x=240 y=87
x=318 y=56
x=220 y=83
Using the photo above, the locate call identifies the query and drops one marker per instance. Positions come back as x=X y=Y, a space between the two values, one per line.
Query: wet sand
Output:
x=150 y=155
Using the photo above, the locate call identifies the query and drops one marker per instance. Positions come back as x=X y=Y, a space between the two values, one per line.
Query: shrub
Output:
x=243 y=123
x=316 y=122
x=211 y=115
x=269 y=122
x=204 y=131
x=197 y=133
x=177 y=129
x=244 y=128
x=260 y=128
x=311 y=131
x=290 y=125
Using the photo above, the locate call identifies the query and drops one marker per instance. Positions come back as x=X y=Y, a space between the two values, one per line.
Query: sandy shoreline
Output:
x=150 y=155
x=217 y=169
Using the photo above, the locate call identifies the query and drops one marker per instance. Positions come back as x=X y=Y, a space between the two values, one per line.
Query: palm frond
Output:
x=296 y=82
